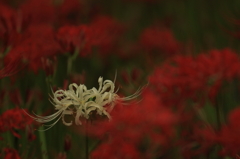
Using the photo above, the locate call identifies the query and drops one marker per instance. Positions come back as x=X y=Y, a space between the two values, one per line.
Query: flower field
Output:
x=119 y=79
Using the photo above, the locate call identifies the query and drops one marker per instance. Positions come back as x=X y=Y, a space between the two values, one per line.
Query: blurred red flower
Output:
x=11 y=153
x=9 y=24
x=184 y=77
x=13 y=119
x=142 y=130
x=37 y=42
x=37 y=12
x=229 y=135
x=105 y=33
x=72 y=38
x=69 y=12
x=159 y=40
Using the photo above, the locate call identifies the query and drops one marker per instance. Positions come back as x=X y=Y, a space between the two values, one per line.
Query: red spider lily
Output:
x=191 y=78
x=122 y=150
x=105 y=33
x=11 y=153
x=161 y=40
x=176 y=83
x=9 y=25
x=73 y=38
x=139 y=130
x=69 y=12
x=198 y=142
x=219 y=66
x=229 y=135
x=14 y=119
x=36 y=42
x=11 y=67
x=37 y=12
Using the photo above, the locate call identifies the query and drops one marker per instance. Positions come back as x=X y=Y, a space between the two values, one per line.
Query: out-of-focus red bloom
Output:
x=192 y=78
x=102 y=32
x=122 y=150
x=69 y=12
x=11 y=154
x=196 y=140
x=11 y=67
x=229 y=135
x=37 y=12
x=142 y=130
x=37 y=42
x=105 y=33
x=159 y=40
x=14 y=119
x=224 y=63
x=9 y=24
x=72 y=38
x=218 y=66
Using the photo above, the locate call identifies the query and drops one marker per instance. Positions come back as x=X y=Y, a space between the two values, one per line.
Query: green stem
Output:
x=86 y=140
x=42 y=139
x=10 y=139
x=69 y=65
x=70 y=60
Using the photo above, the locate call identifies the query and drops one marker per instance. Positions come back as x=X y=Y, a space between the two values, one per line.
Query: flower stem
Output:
x=86 y=140
x=42 y=139
x=9 y=139
x=69 y=65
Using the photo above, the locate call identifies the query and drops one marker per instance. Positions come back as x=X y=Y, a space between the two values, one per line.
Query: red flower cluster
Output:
x=9 y=23
x=196 y=78
x=142 y=130
x=69 y=12
x=105 y=33
x=11 y=154
x=229 y=137
x=14 y=119
x=75 y=38
x=35 y=43
x=31 y=36
x=202 y=140
x=159 y=40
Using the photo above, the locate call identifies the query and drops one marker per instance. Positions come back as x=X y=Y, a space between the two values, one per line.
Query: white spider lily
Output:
x=83 y=102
